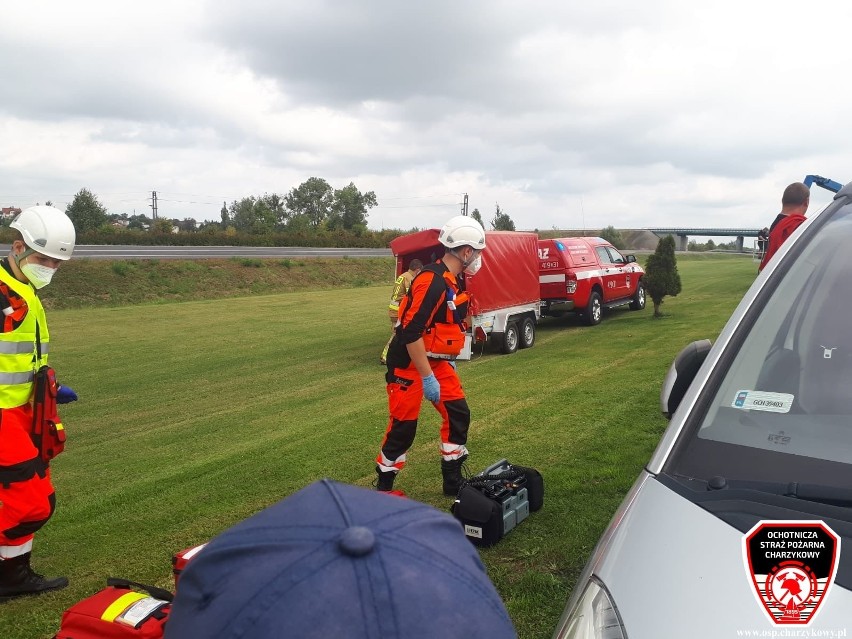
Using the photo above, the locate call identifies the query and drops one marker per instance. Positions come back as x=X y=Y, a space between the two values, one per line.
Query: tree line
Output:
x=311 y=214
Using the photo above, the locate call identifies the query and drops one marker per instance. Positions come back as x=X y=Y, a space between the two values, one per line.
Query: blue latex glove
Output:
x=65 y=395
x=431 y=388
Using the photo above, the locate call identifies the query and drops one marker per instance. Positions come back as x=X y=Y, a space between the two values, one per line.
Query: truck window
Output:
x=603 y=255
x=615 y=256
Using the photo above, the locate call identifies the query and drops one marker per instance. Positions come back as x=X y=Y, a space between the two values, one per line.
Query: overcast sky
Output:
x=568 y=114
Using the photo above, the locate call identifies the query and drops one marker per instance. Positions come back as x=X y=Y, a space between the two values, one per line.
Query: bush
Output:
x=661 y=276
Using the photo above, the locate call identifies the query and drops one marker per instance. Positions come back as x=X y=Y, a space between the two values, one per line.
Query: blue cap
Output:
x=334 y=560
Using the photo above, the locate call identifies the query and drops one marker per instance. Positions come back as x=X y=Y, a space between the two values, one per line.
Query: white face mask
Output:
x=474 y=266
x=38 y=275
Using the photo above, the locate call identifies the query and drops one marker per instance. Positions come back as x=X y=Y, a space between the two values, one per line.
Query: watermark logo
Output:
x=791 y=565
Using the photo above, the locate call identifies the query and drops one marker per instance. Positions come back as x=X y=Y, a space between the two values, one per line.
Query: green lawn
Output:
x=195 y=415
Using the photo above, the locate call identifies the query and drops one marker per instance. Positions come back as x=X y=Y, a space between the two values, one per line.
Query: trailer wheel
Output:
x=594 y=309
x=527 y=333
x=511 y=338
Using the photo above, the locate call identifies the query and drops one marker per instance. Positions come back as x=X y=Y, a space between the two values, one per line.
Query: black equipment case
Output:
x=491 y=504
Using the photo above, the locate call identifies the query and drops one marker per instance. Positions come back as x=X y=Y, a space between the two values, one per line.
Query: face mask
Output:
x=474 y=266
x=38 y=275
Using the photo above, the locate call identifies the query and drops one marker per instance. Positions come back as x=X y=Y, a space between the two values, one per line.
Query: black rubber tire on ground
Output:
x=511 y=338
x=594 y=309
x=527 y=334
x=639 y=296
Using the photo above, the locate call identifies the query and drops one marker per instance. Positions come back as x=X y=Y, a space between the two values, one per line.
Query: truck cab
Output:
x=584 y=275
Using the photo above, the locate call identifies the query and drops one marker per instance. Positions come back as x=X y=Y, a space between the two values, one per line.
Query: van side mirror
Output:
x=630 y=258
x=680 y=375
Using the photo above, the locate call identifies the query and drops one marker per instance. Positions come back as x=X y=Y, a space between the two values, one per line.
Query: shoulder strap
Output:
x=157 y=593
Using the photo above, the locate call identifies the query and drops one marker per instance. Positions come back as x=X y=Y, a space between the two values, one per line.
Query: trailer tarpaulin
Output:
x=509 y=273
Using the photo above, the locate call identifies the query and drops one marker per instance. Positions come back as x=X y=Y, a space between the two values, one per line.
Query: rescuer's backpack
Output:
x=119 y=611
x=180 y=559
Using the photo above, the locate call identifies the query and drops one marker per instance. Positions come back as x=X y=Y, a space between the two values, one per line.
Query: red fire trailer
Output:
x=505 y=292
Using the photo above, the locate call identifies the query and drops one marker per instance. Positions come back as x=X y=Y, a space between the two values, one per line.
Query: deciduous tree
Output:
x=613 y=236
x=312 y=199
x=349 y=210
x=86 y=212
x=252 y=215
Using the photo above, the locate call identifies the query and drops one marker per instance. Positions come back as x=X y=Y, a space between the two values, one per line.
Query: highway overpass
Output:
x=682 y=234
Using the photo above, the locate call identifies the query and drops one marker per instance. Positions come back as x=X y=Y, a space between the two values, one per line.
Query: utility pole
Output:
x=464 y=205
x=154 y=205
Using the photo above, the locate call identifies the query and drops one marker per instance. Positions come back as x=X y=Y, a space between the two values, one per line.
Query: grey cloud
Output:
x=345 y=53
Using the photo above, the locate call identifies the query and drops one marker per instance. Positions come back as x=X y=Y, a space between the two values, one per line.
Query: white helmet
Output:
x=462 y=231
x=46 y=230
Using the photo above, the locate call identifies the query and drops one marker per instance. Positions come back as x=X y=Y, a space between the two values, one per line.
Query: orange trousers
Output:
x=27 y=498
x=405 y=395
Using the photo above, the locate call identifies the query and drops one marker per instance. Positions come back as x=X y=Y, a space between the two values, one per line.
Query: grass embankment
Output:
x=195 y=415
x=86 y=283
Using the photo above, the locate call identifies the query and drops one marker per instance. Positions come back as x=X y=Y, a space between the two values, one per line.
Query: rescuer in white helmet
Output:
x=31 y=433
x=420 y=360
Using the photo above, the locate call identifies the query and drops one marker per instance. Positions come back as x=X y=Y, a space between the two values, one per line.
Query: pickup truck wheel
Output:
x=594 y=309
x=510 y=338
x=638 y=302
x=527 y=333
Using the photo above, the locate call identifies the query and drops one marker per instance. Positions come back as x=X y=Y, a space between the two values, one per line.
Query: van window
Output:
x=603 y=255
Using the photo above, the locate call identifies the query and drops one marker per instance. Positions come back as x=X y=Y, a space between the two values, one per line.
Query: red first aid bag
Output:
x=119 y=611
x=180 y=559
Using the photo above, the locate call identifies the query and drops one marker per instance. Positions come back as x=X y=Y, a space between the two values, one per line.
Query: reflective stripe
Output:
x=8 y=552
x=11 y=379
x=16 y=348
x=386 y=465
x=580 y=275
x=587 y=275
x=121 y=604
x=432 y=355
x=189 y=554
x=451 y=452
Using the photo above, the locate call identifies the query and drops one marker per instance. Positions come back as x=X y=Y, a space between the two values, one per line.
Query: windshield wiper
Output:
x=819 y=493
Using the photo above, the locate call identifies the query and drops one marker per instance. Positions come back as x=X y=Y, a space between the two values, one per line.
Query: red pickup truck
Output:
x=585 y=275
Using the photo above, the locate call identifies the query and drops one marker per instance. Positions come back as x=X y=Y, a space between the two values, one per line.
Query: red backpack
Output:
x=119 y=611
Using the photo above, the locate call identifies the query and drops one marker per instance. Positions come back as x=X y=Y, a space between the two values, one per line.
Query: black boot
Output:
x=452 y=472
x=385 y=480
x=18 y=579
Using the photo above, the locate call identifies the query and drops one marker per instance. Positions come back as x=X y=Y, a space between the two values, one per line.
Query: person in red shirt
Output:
x=794 y=205
x=420 y=360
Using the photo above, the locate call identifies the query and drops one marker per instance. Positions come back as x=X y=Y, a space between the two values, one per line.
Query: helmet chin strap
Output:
x=23 y=255
x=465 y=263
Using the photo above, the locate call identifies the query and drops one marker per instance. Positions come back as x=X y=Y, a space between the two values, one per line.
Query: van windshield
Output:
x=779 y=407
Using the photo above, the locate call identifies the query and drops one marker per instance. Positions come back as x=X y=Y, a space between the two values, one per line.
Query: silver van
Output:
x=735 y=527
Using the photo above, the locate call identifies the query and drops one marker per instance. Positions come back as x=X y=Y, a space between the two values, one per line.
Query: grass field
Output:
x=194 y=415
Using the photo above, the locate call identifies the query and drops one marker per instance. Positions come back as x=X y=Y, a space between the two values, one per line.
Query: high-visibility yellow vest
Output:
x=400 y=288
x=18 y=358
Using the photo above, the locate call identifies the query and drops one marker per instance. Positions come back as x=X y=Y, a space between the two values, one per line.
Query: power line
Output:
x=416 y=206
x=420 y=197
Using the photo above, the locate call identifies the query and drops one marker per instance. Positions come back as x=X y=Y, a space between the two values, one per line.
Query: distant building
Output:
x=8 y=212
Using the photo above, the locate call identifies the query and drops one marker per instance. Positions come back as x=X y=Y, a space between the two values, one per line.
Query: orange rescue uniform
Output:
x=435 y=296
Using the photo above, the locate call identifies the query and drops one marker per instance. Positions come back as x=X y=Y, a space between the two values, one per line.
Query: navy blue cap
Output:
x=334 y=560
